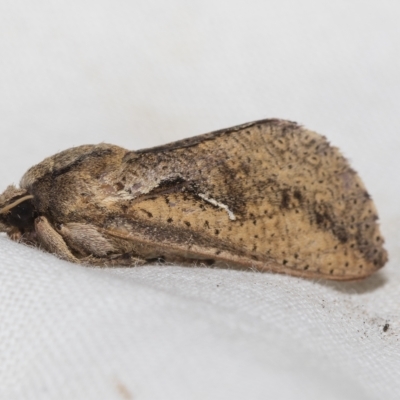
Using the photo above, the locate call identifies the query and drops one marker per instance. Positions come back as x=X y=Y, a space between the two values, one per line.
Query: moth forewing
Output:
x=269 y=195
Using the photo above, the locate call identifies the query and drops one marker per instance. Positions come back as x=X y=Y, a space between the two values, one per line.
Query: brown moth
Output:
x=268 y=195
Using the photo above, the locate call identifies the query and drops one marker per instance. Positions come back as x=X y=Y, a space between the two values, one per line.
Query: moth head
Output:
x=17 y=211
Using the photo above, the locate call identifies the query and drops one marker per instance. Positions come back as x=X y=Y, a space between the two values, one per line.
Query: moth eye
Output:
x=22 y=215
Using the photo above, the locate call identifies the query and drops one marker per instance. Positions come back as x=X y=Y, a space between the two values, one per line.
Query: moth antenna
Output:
x=9 y=207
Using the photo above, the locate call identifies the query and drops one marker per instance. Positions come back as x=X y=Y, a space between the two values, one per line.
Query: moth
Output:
x=268 y=195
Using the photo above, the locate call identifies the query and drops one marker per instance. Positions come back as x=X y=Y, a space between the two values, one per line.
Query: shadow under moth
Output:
x=268 y=195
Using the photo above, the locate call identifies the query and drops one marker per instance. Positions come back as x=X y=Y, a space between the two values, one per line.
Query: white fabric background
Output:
x=144 y=73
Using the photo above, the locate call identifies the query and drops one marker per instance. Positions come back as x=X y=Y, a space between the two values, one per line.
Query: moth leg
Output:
x=51 y=240
x=86 y=239
x=15 y=234
x=96 y=248
x=28 y=238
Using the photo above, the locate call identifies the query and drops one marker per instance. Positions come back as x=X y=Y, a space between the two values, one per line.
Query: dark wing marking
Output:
x=193 y=141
